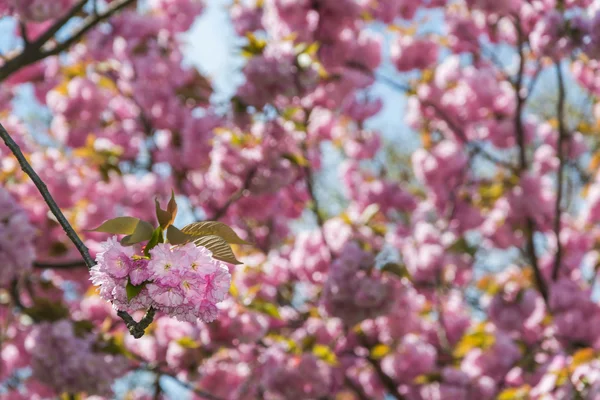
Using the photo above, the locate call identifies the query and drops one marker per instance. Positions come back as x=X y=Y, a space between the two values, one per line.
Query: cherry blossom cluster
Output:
x=184 y=281
x=67 y=361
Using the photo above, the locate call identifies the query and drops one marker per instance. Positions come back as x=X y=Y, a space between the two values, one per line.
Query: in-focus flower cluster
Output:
x=183 y=281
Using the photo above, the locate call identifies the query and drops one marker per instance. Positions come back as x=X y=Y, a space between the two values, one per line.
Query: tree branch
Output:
x=562 y=135
x=385 y=379
x=43 y=189
x=455 y=129
x=136 y=329
x=235 y=196
x=34 y=53
x=89 y=23
x=23 y=32
x=520 y=132
x=60 y=265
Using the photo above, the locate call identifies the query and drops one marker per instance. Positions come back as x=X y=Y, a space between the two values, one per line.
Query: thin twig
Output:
x=88 y=24
x=24 y=36
x=455 y=129
x=157 y=387
x=356 y=388
x=386 y=380
x=238 y=194
x=520 y=132
x=562 y=135
x=35 y=52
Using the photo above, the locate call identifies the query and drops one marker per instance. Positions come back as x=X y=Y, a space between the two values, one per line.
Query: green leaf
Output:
x=380 y=351
x=515 y=393
x=478 y=339
x=46 y=310
x=396 y=269
x=296 y=159
x=368 y=213
x=83 y=327
x=206 y=228
x=312 y=49
x=157 y=237
x=325 y=353
x=142 y=232
x=264 y=307
x=172 y=205
x=462 y=246
x=254 y=47
x=133 y=290
x=118 y=226
x=428 y=378
x=309 y=342
x=175 y=236
x=233 y=290
x=292 y=347
x=166 y=217
x=187 y=343
x=219 y=247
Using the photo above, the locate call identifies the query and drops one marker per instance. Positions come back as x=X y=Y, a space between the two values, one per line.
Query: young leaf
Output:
x=396 y=269
x=133 y=290
x=265 y=307
x=142 y=232
x=206 y=228
x=162 y=215
x=175 y=236
x=83 y=327
x=166 y=217
x=187 y=343
x=296 y=159
x=172 y=206
x=46 y=310
x=157 y=237
x=219 y=248
x=118 y=226
x=380 y=351
x=325 y=353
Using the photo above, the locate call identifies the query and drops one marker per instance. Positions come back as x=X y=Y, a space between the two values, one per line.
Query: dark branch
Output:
x=136 y=329
x=446 y=118
x=386 y=380
x=34 y=52
x=43 y=189
x=220 y=213
x=520 y=132
x=88 y=24
x=23 y=31
x=562 y=135
x=59 y=265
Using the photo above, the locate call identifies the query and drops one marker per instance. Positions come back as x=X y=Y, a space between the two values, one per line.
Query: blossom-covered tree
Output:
x=146 y=226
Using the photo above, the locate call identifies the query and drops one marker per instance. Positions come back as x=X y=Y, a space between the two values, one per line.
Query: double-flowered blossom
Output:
x=182 y=281
x=354 y=291
x=17 y=250
x=68 y=361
